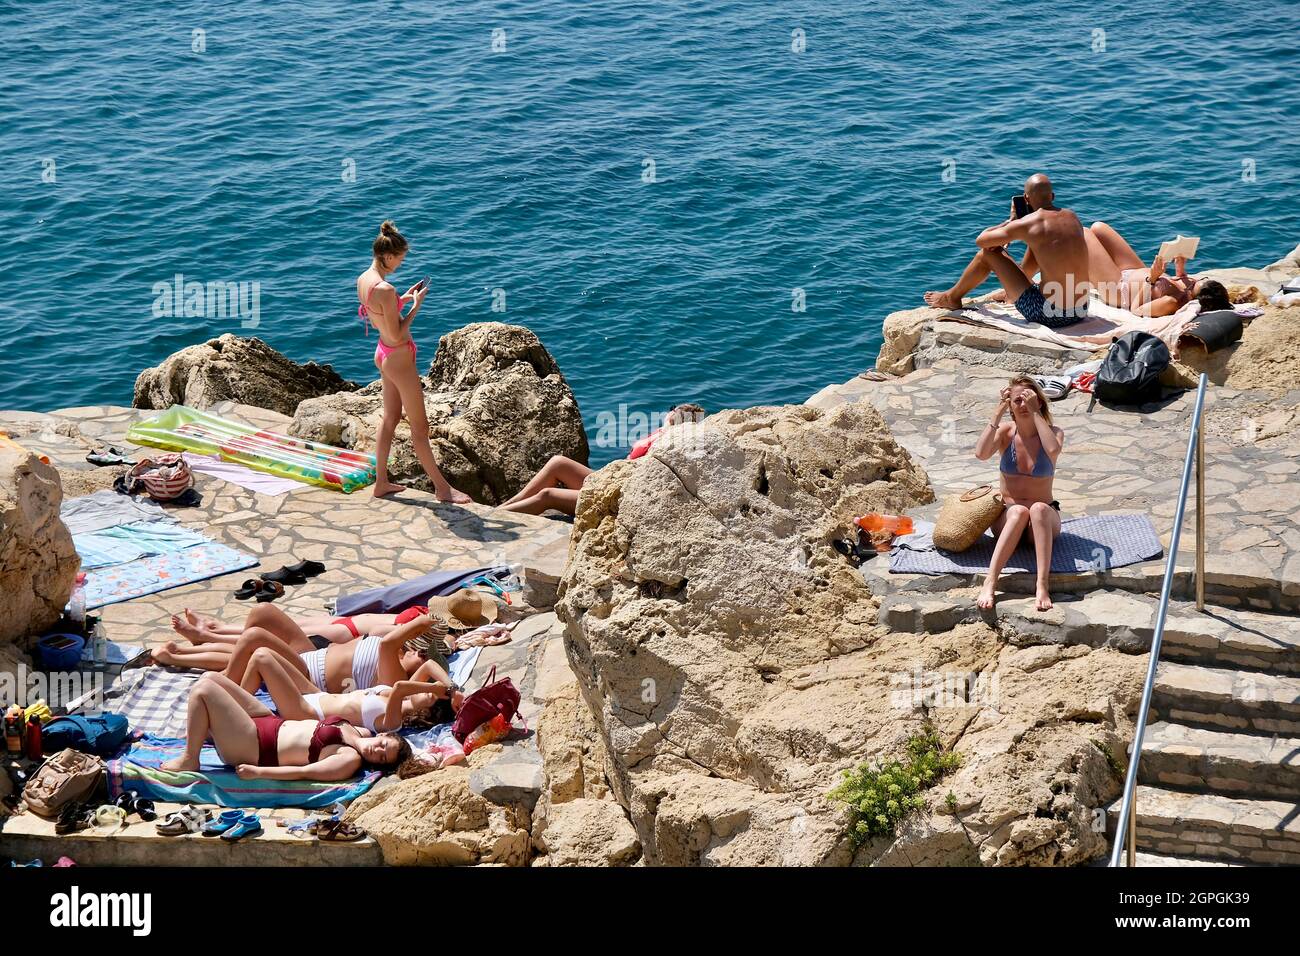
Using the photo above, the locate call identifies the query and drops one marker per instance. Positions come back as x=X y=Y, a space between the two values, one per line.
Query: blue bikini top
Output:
x=1044 y=467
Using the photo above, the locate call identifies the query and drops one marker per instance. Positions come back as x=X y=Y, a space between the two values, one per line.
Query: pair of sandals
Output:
x=183 y=821
x=267 y=587
x=233 y=825
x=329 y=830
x=110 y=455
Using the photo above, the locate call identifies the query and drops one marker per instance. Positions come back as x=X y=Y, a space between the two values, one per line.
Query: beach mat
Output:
x=1087 y=544
x=396 y=598
x=137 y=770
x=161 y=572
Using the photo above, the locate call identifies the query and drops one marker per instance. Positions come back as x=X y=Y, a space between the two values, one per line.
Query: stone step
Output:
x=1228 y=582
x=28 y=836
x=1225 y=637
x=1161 y=860
x=1224 y=699
x=1229 y=764
x=1208 y=826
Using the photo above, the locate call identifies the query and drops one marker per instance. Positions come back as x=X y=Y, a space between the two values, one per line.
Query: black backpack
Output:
x=1130 y=372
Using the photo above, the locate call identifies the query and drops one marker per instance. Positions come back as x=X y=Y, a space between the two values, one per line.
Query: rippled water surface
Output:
x=524 y=170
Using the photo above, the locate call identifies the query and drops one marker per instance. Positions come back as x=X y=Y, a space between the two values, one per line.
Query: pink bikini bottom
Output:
x=382 y=351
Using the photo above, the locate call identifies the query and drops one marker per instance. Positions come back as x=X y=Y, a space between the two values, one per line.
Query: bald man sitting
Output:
x=1058 y=251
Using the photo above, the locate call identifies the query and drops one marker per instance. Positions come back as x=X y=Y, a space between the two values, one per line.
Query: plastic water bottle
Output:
x=99 y=643
x=77 y=604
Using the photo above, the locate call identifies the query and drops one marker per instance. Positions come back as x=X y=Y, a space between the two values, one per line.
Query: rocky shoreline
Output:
x=712 y=663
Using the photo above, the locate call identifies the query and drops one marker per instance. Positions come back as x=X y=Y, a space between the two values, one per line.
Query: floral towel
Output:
x=159 y=572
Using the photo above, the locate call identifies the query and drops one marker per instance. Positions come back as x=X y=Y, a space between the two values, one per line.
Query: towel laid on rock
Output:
x=138 y=770
x=1086 y=545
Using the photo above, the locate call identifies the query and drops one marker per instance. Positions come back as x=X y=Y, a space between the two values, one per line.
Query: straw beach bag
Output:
x=964 y=517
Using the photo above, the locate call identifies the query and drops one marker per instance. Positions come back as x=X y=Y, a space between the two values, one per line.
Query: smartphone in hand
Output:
x=423 y=283
x=1021 y=206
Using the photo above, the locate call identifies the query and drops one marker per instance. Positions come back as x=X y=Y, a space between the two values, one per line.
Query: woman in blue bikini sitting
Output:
x=1030 y=446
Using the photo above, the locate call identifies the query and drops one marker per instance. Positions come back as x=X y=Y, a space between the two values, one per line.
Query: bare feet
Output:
x=386 y=488
x=985 y=599
x=179 y=764
x=201 y=622
x=452 y=496
x=942 y=300
x=188 y=630
x=1044 y=600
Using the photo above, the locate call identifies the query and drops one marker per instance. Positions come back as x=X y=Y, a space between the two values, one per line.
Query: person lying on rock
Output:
x=556 y=486
x=1127 y=283
x=1030 y=446
x=262 y=745
x=198 y=629
x=406 y=652
x=378 y=709
x=403 y=392
x=1058 y=251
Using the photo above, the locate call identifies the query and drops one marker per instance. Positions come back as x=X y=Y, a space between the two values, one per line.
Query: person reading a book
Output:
x=1142 y=290
x=1058 y=251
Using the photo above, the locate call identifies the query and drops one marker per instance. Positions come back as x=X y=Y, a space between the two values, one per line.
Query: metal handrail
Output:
x=1126 y=825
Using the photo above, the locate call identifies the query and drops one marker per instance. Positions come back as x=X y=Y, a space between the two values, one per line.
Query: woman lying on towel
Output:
x=379 y=709
x=406 y=652
x=1135 y=287
x=556 y=486
x=1030 y=446
x=260 y=744
x=198 y=629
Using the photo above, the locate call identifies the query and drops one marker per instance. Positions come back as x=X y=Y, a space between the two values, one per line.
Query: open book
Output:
x=1182 y=246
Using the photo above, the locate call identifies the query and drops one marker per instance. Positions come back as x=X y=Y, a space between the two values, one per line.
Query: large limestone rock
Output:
x=38 y=563
x=734 y=665
x=577 y=822
x=231 y=368
x=437 y=820
x=902 y=332
x=498 y=409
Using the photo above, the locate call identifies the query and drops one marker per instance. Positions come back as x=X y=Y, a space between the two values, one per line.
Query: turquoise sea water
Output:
x=523 y=169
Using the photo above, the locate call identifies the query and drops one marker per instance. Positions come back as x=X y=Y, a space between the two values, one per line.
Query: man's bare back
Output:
x=1058 y=251
x=1056 y=239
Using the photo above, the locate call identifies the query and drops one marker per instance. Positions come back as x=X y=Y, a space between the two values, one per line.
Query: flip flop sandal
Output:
x=109 y=456
x=224 y=821
x=74 y=818
x=270 y=591
x=250 y=588
x=285 y=575
x=184 y=820
x=140 y=806
x=338 y=831
x=143 y=659
x=250 y=824
x=308 y=568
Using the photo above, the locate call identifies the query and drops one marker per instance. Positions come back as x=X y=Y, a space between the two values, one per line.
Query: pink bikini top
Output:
x=363 y=310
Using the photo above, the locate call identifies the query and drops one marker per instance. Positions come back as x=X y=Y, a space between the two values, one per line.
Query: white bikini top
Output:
x=373 y=706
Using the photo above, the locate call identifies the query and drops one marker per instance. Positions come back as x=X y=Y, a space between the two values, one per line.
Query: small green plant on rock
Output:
x=880 y=795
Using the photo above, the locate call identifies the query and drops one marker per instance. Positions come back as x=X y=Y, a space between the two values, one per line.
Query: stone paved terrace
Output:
x=403 y=537
x=1123 y=460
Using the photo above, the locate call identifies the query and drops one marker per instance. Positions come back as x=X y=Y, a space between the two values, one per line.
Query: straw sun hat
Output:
x=465 y=609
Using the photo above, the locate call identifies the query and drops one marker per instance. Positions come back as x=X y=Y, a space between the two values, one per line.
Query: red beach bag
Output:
x=494 y=697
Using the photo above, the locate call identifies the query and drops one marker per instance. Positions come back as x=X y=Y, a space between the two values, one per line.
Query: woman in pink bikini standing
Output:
x=395 y=359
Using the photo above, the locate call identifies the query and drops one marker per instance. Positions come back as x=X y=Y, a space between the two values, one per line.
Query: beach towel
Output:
x=160 y=572
x=1104 y=325
x=106 y=509
x=395 y=598
x=153 y=699
x=137 y=770
x=1087 y=544
x=256 y=481
x=130 y=542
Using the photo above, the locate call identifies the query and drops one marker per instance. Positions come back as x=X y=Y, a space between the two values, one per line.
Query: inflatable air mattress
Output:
x=181 y=428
